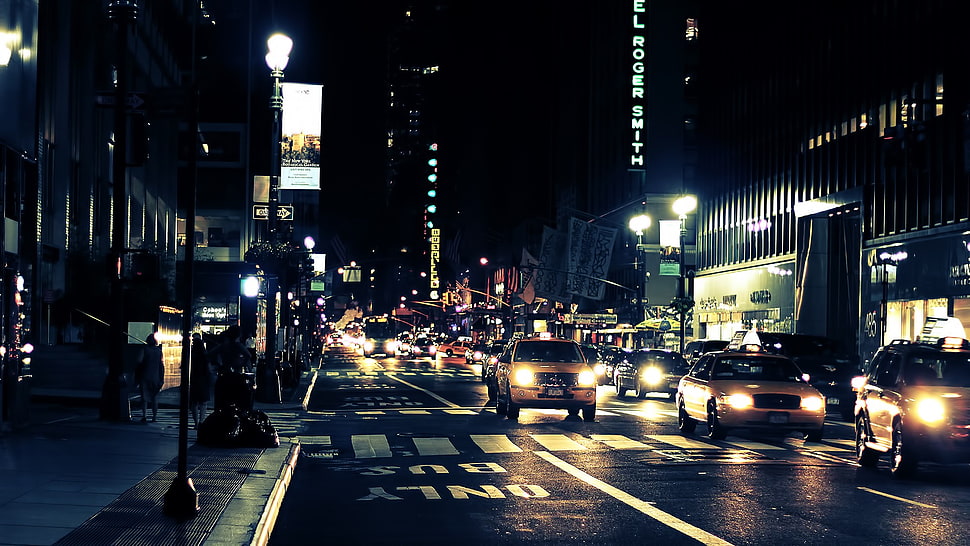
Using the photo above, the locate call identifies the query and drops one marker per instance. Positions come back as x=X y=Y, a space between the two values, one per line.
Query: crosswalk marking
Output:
x=315 y=440
x=435 y=446
x=756 y=446
x=557 y=442
x=367 y=446
x=495 y=443
x=617 y=441
x=415 y=412
x=681 y=442
x=460 y=412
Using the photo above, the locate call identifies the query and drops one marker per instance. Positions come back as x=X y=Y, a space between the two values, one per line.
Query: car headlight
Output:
x=587 y=378
x=812 y=403
x=599 y=369
x=739 y=401
x=524 y=376
x=652 y=375
x=930 y=410
x=368 y=346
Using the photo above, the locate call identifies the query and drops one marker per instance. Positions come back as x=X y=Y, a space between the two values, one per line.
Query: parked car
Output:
x=751 y=389
x=545 y=372
x=694 y=349
x=829 y=366
x=920 y=392
x=649 y=370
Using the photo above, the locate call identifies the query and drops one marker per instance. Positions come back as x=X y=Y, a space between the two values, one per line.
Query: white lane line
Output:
x=757 y=446
x=557 y=442
x=495 y=443
x=460 y=412
x=369 y=446
x=315 y=440
x=681 y=442
x=894 y=497
x=617 y=441
x=425 y=391
x=435 y=446
x=414 y=412
x=695 y=533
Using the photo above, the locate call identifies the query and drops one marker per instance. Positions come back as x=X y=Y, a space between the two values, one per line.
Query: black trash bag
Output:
x=257 y=430
x=222 y=428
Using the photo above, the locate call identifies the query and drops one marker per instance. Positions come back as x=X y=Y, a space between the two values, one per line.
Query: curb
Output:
x=268 y=519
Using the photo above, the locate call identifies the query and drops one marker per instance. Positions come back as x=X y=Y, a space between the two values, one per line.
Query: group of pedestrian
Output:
x=225 y=355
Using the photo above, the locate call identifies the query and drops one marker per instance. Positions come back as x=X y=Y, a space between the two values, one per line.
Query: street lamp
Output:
x=279 y=46
x=682 y=207
x=639 y=224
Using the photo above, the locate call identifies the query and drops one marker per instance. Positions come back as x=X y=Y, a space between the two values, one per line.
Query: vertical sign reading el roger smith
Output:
x=638 y=84
x=300 y=145
x=434 y=281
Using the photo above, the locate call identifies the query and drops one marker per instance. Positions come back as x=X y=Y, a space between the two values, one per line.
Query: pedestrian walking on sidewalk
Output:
x=150 y=374
x=200 y=380
x=234 y=384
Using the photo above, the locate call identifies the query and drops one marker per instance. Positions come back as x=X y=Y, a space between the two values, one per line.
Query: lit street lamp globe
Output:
x=640 y=223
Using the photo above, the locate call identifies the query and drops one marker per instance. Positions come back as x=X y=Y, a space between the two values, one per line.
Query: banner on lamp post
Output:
x=670 y=248
x=300 y=143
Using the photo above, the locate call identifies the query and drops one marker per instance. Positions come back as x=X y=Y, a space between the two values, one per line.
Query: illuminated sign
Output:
x=435 y=282
x=213 y=312
x=638 y=84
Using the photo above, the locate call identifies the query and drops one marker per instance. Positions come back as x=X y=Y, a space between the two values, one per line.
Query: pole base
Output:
x=181 y=500
x=114 y=400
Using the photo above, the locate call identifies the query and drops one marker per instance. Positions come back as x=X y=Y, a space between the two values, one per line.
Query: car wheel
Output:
x=814 y=435
x=501 y=403
x=589 y=413
x=620 y=389
x=641 y=390
x=714 y=429
x=513 y=410
x=449 y=353
x=685 y=422
x=864 y=455
x=901 y=462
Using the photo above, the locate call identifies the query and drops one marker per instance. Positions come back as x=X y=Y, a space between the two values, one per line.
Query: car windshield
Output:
x=757 y=369
x=938 y=369
x=547 y=351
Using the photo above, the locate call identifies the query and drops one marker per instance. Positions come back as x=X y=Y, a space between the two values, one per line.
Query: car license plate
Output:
x=778 y=418
x=554 y=392
x=832 y=401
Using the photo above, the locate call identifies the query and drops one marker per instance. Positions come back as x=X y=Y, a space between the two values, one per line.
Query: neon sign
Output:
x=638 y=84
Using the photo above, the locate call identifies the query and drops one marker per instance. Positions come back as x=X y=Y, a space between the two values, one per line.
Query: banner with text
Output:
x=300 y=143
x=590 y=252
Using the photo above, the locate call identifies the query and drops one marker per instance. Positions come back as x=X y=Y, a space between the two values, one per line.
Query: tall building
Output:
x=835 y=162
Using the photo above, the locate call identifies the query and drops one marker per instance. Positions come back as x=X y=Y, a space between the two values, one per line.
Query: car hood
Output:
x=554 y=367
x=764 y=387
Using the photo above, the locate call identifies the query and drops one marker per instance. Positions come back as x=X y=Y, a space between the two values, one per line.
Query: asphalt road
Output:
x=398 y=452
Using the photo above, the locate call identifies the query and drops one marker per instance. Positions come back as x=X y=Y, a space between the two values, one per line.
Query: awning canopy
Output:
x=661 y=324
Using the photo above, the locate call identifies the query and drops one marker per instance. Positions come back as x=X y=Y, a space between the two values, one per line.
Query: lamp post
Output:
x=682 y=207
x=277 y=57
x=639 y=224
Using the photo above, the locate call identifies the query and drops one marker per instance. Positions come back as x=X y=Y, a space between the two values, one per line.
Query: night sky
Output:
x=494 y=108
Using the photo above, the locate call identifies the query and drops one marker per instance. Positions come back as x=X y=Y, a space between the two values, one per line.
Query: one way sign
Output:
x=283 y=212
x=133 y=101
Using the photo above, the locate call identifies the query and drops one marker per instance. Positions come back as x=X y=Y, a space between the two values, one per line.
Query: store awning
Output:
x=659 y=324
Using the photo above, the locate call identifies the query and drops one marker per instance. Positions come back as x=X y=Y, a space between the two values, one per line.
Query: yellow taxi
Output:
x=920 y=392
x=743 y=387
x=545 y=372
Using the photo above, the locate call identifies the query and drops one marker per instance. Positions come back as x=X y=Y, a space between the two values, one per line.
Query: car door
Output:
x=880 y=397
x=694 y=387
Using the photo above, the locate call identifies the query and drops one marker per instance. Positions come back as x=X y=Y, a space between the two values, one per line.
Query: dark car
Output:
x=694 y=349
x=490 y=362
x=920 y=392
x=610 y=356
x=649 y=370
x=422 y=347
x=475 y=353
x=829 y=366
x=595 y=360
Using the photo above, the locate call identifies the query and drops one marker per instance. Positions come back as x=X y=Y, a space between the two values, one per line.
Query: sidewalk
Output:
x=71 y=478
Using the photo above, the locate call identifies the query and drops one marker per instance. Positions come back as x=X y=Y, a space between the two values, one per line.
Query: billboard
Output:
x=300 y=142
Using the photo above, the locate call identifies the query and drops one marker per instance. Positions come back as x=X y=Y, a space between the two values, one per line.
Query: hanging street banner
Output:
x=670 y=248
x=300 y=143
x=589 y=253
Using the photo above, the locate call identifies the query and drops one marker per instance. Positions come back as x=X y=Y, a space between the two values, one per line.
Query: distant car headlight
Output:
x=739 y=401
x=477 y=355
x=524 y=376
x=857 y=382
x=390 y=347
x=812 y=403
x=930 y=410
x=599 y=369
x=587 y=378
x=368 y=346
x=652 y=375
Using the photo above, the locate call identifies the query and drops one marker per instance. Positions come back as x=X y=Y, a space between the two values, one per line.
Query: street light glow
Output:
x=279 y=46
x=640 y=223
x=685 y=205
